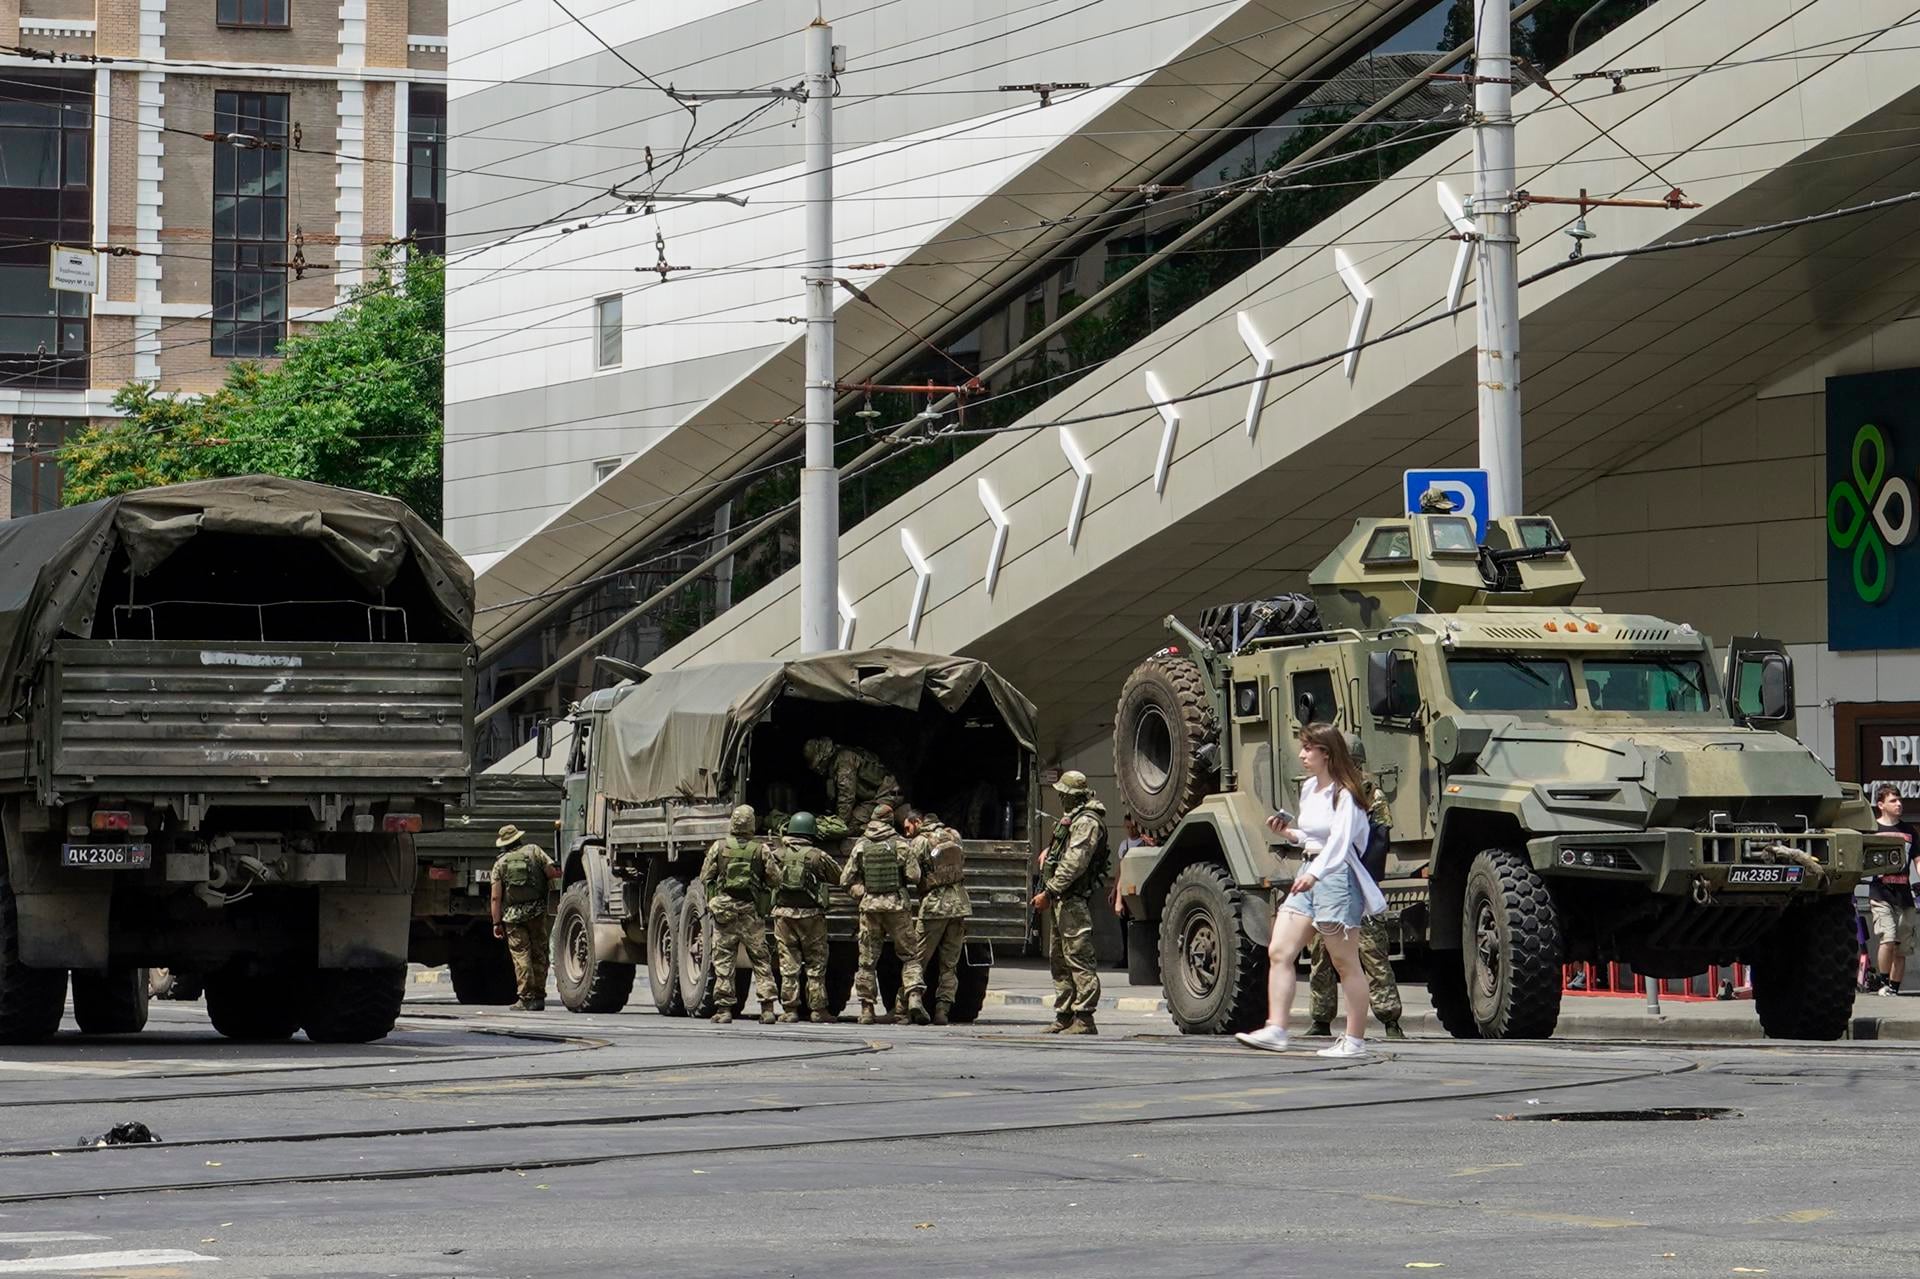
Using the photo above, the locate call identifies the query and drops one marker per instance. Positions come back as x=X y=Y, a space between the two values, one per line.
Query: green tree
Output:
x=356 y=402
x=1542 y=36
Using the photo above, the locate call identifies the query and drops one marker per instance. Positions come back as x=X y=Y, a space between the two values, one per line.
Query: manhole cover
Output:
x=1654 y=1114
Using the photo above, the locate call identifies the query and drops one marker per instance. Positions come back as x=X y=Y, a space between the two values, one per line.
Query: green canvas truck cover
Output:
x=680 y=733
x=51 y=565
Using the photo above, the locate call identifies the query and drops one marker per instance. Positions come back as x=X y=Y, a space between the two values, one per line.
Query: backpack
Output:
x=1379 y=838
x=520 y=878
x=740 y=875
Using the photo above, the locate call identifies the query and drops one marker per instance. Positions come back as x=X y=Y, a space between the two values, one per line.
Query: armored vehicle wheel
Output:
x=483 y=974
x=252 y=1009
x=970 y=996
x=663 y=970
x=31 y=999
x=1513 y=948
x=587 y=983
x=111 y=1003
x=1164 y=741
x=843 y=960
x=353 y=1005
x=1212 y=973
x=1447 y=988
x=1803 y=971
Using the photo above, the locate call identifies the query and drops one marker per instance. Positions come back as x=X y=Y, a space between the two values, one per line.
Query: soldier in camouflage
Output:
x=944 y=905
x=1383 y=992
x=740 y=876
x=878 y=874
x=857 y=780
x=1072 y=870
x=802 y=873
x=520 y=877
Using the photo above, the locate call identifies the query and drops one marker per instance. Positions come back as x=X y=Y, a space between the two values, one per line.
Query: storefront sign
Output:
x=1876 y=743
x=1873 y=463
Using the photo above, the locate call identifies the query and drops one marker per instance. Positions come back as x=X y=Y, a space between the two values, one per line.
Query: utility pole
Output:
x=1496 y=213
x=819 y=480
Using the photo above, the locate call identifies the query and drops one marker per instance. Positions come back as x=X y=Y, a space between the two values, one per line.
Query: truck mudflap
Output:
x=1707 y=864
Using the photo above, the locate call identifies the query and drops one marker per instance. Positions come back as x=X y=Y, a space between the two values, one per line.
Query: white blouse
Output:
x=1333 y=829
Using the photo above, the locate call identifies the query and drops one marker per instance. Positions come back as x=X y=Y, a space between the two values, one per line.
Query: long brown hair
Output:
x=1340 y=766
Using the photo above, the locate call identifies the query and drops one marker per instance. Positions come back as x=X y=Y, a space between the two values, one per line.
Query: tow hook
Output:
x=1702 y=891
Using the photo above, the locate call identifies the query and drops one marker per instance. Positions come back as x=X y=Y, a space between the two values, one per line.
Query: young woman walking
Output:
x=1331 y=895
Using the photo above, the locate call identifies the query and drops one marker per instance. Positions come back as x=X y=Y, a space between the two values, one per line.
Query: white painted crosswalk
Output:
x=130 y=1259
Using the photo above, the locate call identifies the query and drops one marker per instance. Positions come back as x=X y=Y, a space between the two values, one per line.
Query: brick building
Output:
x=333 y=120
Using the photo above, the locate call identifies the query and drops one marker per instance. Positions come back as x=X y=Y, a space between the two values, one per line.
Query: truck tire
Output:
x=663 y=969
x=252 y=1010
x=843 y=960
x=970 y=994
x=31 y=999
x=1213 y=975
x=1513 y=948
x=587 y=983
x=111 y=1003
x=1164 y=739
x=483 y=974
x=1447 y=988
x=353 y=1005
x=1803 y=971
x=693 y=945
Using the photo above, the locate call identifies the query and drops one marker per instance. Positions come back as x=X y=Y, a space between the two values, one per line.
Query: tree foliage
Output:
x=355 y=402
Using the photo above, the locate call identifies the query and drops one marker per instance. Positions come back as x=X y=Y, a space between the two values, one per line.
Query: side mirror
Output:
x=1776 y=687
x=1393 y=687
x=543 y=739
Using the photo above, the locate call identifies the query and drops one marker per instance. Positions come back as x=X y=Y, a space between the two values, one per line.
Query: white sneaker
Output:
x=1888 y=991
x=1345 y=1046
x=1271 y=1038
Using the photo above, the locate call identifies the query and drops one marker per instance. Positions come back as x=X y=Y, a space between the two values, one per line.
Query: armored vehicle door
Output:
x=1393 y=728
x=1759 y=684
x=1312 y=687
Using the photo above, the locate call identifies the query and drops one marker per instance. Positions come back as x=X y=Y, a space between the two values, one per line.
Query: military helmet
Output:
x=883 y=813
x=1072 y=782
x=817 y=752
x=803 y=824
x=742 y=821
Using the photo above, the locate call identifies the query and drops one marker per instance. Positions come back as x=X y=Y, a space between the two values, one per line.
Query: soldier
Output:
x=1383 y=993
x=856 y=780
x=944 y=905
x=1072 y=870
x=520 y=877
x=802 y=873
x=740 y=876
x=878 y=874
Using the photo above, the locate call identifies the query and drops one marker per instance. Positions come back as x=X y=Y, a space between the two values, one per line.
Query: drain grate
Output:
x=1654 y=1114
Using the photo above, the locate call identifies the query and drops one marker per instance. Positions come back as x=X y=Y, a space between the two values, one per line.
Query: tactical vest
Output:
x=947 y=863
x=880 y=866
x=521 y=879
x=739 y=877
x=799 y=886
x=874 y=778
x=1096 y=872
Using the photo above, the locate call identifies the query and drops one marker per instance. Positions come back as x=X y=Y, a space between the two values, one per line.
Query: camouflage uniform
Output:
x=739 y=917
x=528 y=926
x=885 y=916
x=944 y=909
x=800 y=927
x=857 y=780
x=1383 y=992
x=1071 y=870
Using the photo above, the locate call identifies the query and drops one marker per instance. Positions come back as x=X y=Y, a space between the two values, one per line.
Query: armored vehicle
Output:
x=1565 y=784
x=656 y=766
x=226 y=708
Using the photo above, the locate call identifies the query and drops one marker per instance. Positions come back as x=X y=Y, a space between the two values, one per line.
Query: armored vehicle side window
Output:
x=1453 y=536
x=1313 y=697
x=1511 y=683
x=577 y=756
x=1671 y=684
x=1390 y=544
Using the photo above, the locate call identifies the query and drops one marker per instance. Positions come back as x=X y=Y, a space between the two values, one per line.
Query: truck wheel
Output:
x=663 y=968
x=843 y=960
x=111 y=1003
x=1447 y=988
x=1513 y=948
x=252 y=1010
x=587 y=983
x=31 y=999
x=1213 y=974
x=353 y=1005
x=970 y=995
x=1163 y=734
x=1803 y=972
x=693 y=945
x=483 y=974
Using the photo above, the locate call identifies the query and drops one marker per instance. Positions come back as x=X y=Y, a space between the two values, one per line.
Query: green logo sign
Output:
x=1861 y=512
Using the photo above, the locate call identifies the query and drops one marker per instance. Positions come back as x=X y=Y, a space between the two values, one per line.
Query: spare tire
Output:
x=1165 y=752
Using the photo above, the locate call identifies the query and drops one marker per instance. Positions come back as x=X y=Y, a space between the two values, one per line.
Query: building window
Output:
x=251 y=13
x=427 y=168
x=46 y=181
x=250 y=225
x=36 y=463
x=603 y=468
x=607 y=314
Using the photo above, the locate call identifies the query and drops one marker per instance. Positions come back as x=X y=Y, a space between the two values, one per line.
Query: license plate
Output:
x=1765 y=874
x=107 y=856
x=482 y=876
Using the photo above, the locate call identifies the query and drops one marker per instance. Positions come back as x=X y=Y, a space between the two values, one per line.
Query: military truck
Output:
x=453 y=886
x=656 y=766
x=1566 y=784
x=226 y=708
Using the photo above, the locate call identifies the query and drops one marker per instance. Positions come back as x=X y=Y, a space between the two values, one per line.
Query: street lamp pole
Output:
x=819 y=480
x=1496 y=213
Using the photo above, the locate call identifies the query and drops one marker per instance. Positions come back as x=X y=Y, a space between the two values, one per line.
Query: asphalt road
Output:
x=482 y=1143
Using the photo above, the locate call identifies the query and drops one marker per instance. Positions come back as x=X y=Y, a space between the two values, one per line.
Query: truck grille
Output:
x=1734 y=848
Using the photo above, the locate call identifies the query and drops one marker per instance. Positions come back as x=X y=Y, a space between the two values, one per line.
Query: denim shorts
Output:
x=1333 y=904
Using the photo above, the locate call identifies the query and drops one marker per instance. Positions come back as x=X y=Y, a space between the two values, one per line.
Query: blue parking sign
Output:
x=1467 y=488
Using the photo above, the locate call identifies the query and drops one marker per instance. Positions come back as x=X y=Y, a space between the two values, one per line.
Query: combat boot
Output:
x=1081 y=1025
x=1393 y=1029
x=722 y=1017
x=789 y=1016
x=1320 y=1028
x=820 y=1015
x=539 y=1005
x=940 y=1017
x=766 y=1015
x=1060 y=1024
x=520 y=1006
x=866 y=1017
x=916 y=1011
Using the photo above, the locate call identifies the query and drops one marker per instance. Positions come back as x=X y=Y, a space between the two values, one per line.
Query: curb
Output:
x=427 y=977
x=1122 y=1004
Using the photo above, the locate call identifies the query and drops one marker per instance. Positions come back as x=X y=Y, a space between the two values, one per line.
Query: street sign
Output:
x=1467 y=487
x=74 y=270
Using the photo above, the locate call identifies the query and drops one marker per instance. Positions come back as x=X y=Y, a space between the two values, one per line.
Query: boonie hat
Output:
x=509 y=834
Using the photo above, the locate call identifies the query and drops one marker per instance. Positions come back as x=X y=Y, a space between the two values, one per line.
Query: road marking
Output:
x=1493 y=1210
x=50 y=1236
x=133 y=1259
x=1485 y=1168
x=1797 y=1217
